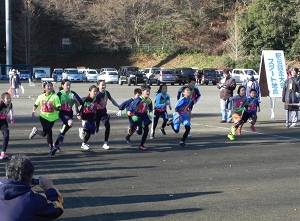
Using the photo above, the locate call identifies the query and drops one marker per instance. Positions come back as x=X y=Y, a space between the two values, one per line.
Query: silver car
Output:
x=165 y=76
x=72 y=74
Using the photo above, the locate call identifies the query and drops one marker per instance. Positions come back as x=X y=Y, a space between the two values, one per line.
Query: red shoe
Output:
x=252 y=128
x=239 y=131
x=142 y=148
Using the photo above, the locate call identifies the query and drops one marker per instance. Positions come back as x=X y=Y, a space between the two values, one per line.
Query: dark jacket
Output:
x=291 y=87
x=226 y=86
x=15 y=81
x=19 y=202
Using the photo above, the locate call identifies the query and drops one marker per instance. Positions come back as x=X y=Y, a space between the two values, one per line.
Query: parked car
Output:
x=72 y=74
x=165 y=76
x=239 y=75
x=24 y=74
x=210 y=76
x=131 y=75
x=150 y=71
x=89 y=75
x=108 y=76
x=39 y=74
x=106 y=69
x=57 y=74
x=182 y=75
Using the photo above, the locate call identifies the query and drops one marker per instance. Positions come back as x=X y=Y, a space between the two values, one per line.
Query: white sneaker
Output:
x=189 y=135
x=85 y=146
x=105 y=146
x=81 y=133
x=33 y=133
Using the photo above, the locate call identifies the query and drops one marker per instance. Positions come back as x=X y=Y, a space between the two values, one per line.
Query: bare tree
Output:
x=28 y=38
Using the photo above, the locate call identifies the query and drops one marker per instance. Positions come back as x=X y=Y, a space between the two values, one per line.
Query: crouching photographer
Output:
x=19 y=202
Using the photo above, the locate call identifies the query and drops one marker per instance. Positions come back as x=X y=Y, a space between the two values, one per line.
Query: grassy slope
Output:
x=142 y=61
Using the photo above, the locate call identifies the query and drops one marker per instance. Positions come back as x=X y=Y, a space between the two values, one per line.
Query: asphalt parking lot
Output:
x=255 y=177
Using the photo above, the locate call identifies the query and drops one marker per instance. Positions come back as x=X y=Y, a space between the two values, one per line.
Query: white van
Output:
x=239 y=74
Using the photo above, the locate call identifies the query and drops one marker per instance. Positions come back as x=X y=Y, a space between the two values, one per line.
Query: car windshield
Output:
x=92 y=72
x=210 y=73
x=40 y=71
x=113 y=73
x=111 y=69
x=132 y=69
x=167 y=72
x=253 y=72
x=72 y=72
x=188 y=71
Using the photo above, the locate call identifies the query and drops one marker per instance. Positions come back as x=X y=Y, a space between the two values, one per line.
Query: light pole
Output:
x=8 y=22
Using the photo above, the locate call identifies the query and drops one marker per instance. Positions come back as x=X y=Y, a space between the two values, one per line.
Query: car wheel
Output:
x=206 y=83
x=120 y=82
x=179 y=83
x=172 y=83
x=128 y=82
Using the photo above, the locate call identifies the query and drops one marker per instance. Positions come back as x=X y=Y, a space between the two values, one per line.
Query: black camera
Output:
x=35 y=181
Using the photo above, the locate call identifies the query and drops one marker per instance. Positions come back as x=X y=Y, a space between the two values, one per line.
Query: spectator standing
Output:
x=251 y=83
x=226 y=86
x=290 y=95
x=19 y=202
x=15 y=83
x=197 y=77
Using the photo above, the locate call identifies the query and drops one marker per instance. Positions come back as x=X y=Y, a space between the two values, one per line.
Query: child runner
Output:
x=87 y=115
x=102 y=97
x=240 y=115
x=253 y=102
x=131 y=128
x=5 y=108
x=195 y=95
x=68 y=98
x=182 y=115
x=140 y=110
x=50 y=106
x=162 y=100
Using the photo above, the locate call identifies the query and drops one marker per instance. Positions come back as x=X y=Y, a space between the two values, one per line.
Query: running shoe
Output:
x=105 y=146
x=182 y=144
x=233 y=130
x=252 y=128
x=3 y=156
x=151 y=136
x=170 y=122
x=127 y=139
x=162 y=130
x=52 y=150
x=33 y=133
x=57 y=147
x=142 y=147
x=231 y=136
x=189 y=135
x=239 y=131
x=85 y=146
